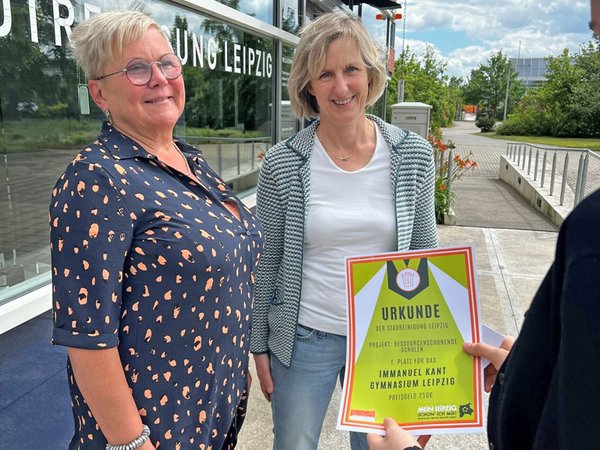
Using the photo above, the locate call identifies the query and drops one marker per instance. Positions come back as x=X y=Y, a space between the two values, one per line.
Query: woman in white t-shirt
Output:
x=348 y=184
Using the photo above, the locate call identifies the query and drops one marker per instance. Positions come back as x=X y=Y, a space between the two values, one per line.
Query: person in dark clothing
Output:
x=545 y=391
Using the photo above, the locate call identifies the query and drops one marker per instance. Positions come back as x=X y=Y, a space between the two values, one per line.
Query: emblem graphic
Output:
x=465 y=410
x=408 y=282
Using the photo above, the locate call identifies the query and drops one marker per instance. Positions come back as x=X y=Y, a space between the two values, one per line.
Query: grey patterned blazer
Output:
x=282 y=199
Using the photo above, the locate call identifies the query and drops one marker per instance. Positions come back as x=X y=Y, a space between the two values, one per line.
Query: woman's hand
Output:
x=396 y=438
x=496 y=356
x=263 y=370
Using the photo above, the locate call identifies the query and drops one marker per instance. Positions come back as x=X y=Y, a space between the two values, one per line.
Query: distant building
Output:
x=532 y=71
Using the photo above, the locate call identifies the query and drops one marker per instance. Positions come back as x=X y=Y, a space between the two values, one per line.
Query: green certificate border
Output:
x=408 y=316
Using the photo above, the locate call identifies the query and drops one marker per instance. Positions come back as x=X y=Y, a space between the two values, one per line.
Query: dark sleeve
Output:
x=578 y=361
x=90 y=236
x=547 y=394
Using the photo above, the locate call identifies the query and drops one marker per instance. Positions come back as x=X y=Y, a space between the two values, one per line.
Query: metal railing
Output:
x=534 y=161
x=231 y=157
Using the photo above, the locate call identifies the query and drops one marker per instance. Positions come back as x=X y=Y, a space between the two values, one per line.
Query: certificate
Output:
x=408 y=316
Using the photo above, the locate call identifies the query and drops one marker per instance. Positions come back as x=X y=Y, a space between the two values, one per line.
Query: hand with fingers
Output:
x=396 y=438
x=262 y=362
x=496 y=356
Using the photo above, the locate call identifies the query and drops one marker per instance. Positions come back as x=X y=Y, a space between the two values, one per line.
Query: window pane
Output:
x=48 y=116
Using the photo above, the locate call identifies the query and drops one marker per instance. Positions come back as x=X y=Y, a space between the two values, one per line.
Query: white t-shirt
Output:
x=349 y=214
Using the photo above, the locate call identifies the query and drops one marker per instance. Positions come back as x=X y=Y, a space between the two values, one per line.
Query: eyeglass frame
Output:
x=159 y=62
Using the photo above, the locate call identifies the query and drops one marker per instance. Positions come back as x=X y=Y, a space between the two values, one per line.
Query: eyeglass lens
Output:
x=139 y=72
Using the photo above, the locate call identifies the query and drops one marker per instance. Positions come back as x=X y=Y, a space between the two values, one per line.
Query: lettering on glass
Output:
x=233 y=57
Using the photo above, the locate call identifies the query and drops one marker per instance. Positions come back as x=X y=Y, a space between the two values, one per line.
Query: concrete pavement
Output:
x=514 y=247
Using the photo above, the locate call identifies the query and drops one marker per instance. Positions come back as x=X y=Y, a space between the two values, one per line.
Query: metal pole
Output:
x=449 y=171
x=563 y=186
x=220 y=158
x=578 y=185
x=584 y=174
x=544 y=168
x=552 y=174
x=508 y=82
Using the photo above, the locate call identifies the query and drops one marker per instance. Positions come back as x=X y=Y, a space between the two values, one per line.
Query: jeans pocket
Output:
x=303 y=333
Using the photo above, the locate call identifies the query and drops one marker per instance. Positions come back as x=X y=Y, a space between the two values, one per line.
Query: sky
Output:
x=465 y=33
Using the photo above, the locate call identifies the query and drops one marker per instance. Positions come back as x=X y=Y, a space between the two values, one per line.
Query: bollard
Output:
x=552 y=174
x=543 y=168
x=578 y=182
x=564 y=180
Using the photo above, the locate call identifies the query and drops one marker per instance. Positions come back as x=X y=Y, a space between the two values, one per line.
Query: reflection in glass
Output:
x=261 y=9
x=288 y=123
x=47 y=116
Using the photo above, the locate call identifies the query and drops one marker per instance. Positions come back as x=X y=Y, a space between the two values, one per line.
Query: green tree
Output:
x=22 y=68
x=568 y=104
x=487 y=86
x=425 y=81
x=584 y=104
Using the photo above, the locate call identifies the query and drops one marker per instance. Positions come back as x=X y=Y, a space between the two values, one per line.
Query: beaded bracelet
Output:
x=136 y=443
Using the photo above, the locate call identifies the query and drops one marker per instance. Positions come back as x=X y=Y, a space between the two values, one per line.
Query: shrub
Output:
x=485 y=123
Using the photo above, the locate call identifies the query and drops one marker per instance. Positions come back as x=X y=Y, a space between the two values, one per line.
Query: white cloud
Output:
x=543 y=28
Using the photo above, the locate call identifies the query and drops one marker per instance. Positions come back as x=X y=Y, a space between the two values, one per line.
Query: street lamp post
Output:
x=508 y=82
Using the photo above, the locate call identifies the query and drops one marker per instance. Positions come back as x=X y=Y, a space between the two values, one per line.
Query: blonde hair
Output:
x=311 y=54
x=103 y=36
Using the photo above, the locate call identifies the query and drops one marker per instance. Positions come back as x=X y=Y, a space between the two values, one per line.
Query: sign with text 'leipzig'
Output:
x=408 y=315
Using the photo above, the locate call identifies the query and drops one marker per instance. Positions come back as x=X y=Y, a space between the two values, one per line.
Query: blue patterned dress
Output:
x=147 y=260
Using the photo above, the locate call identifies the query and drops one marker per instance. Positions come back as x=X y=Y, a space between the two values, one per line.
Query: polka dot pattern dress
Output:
x=148 y=260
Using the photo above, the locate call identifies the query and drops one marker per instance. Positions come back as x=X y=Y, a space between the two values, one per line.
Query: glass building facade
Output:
x=532 y=71
x=236 y=58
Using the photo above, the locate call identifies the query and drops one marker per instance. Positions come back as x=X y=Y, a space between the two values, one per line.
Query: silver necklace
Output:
x=185 y=161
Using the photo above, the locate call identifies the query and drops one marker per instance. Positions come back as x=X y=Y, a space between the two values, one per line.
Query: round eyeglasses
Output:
x=139 y=72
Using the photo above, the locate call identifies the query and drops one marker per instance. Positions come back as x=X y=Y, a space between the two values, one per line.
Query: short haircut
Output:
x=102 y=37
x=311 y=54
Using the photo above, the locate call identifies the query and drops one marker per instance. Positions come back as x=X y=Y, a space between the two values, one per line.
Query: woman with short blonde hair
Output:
x=153 y=308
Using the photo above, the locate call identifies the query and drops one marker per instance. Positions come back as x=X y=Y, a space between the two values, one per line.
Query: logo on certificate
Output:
x=408 y=280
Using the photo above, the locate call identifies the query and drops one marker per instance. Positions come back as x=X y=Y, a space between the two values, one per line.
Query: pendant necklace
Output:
x=344 y=157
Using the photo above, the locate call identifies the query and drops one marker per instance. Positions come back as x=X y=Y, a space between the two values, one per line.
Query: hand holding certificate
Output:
x=408 y=316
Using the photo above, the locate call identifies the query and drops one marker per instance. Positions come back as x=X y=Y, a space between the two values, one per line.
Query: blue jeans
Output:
x=303 y=391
